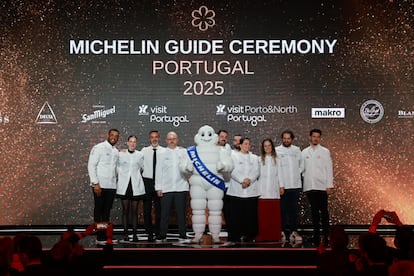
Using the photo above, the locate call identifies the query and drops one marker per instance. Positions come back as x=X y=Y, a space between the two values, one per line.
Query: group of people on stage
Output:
x=121 y=174
x=262 y=191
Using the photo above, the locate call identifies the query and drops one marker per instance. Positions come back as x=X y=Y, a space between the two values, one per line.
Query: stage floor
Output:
x=50 y=236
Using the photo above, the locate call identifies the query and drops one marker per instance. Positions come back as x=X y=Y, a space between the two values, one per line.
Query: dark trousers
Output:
x=319 y=207
x=179 y=201
x=103 y=205
x=243 y=218
x=151 y=198
x=102 y=208
x=289 y=205
x=225 y=209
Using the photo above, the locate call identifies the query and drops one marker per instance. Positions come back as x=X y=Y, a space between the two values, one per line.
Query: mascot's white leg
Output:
x=198 y=204
x=215 y=206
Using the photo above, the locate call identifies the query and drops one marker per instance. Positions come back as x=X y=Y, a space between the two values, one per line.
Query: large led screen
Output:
x=71 y=70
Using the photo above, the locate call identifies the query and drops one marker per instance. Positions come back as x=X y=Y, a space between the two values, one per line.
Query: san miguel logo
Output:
x=99 y=115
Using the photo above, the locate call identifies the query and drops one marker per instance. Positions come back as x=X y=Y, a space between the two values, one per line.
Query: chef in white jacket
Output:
x=172 y=186
x=243 y=194
x=102 y=173
x=130 y=187
x=317 y=183
x=291 y=167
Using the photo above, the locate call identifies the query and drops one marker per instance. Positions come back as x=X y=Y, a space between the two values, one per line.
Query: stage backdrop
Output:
x=71 y=70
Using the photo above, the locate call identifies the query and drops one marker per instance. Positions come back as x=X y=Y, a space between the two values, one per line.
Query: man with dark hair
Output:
x=151 y=153
x=317 y=182
x=102 y=173
x=236 y=142
x=223 y=136
x=291 y=167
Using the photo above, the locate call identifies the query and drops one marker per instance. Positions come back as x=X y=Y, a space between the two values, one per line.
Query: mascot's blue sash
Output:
x=203 y=170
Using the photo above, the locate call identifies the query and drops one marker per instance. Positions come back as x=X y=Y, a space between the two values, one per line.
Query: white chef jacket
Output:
x=318 y=170
x=129 y=167
x=291 y=166
x=168 y=176
x=102 y=165
x=246 y=165
x=269 y=181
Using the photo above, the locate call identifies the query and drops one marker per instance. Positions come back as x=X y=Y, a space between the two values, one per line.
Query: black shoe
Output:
x=101 y=235
x=151 y=238
x=247 y=239
x=160 y=239
x=135 y=238
x=126 y=238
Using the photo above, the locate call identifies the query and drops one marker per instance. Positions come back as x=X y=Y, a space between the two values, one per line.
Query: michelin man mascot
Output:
x=206 y=163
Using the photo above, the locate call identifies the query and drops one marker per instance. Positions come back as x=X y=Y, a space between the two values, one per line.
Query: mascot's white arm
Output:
x=186 y=166
x=225 y=163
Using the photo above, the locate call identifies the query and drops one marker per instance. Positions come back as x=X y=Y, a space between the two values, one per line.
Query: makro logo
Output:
x=371 y=111
x=323 y=112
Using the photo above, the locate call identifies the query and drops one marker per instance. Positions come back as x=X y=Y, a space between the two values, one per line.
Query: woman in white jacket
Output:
x=270 y=188
x=130 y=186
x=243 y=194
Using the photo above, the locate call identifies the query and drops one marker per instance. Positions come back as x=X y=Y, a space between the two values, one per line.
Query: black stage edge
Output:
x=195 y=260
x=187 y=259
x=59 y=229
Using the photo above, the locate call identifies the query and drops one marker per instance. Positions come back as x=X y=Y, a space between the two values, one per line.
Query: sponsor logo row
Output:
x=371 y=111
